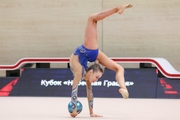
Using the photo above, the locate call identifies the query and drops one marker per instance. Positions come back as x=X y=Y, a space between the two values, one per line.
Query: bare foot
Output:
x=124 y=93
x=123 y=7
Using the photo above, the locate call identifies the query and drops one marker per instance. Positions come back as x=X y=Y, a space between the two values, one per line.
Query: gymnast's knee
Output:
x=119 y=68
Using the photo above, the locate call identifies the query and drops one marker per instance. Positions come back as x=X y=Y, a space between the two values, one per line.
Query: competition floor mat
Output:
x=55 y=108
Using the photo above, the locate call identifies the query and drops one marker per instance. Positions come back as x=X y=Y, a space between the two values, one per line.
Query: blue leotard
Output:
x=86 y=55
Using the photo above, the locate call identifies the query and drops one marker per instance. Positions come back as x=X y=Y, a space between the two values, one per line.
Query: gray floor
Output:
x=55 y=108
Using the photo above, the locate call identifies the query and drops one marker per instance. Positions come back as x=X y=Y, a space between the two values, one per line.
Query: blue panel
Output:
x=168 y=88
x=141 y=83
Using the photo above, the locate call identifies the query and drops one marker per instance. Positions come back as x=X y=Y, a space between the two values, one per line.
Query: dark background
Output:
x=141 y=83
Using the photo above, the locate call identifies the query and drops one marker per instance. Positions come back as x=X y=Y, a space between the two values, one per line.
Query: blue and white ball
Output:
x=79 y=107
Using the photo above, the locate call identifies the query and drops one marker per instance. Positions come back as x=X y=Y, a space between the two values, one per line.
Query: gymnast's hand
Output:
x=95 y=115
x=74 y=113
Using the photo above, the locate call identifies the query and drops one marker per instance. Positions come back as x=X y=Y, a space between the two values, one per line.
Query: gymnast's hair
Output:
x=95 y=67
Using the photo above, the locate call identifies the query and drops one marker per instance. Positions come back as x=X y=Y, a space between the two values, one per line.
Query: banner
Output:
x=141 y=83
x=6 y=85
x=168 y=88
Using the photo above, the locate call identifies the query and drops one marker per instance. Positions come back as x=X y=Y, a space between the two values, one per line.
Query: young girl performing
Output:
x=89 y=52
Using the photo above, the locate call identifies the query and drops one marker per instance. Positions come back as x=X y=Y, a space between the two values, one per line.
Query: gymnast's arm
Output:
x=90 y=99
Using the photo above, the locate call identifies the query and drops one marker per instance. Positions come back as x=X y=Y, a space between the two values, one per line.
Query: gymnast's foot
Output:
x=124 y=93
x=121 y=8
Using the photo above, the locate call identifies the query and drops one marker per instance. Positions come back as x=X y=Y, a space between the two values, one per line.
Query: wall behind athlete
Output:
x=46 y=28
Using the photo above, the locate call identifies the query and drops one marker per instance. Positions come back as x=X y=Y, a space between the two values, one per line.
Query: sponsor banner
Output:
x=141 y=83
